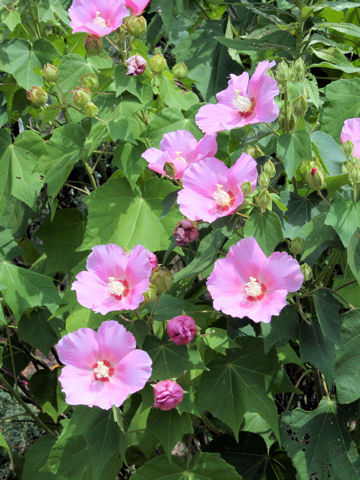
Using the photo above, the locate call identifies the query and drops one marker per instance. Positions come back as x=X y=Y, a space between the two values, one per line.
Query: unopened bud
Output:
x=354 y=174
x=316 y=178
x=93 y=45
x=246 y=188
x=282 y=72
x=185 y=232
x=264 y=200
x=269 y=169
x=299 y=70
x=157 y=64
x=297 y=246
x=299 y=106
x=37 y=96
x=90 y=81
x=81 y=96
x=50 y=72
x=151 y=294
x=263 y=179
x=161 y=279
x=91 y=110
x=286 y=122
x=348 y=148
x=169 y=169
x=136 y=65
x=180 y=70
x=306 y=271
x=254 y=151
x=136 y=26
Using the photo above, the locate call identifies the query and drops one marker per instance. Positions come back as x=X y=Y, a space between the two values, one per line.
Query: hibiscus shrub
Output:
x=179 y=239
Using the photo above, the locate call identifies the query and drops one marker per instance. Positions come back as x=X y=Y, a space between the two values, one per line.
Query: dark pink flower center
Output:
x=118 y=288
x=254 y=290
x=102 y=370
x=100 y=21
x=244 y=105
x=224 y=199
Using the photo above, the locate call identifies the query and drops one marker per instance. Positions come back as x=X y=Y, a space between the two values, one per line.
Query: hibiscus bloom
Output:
x=244 y=102
x=248 y=284
x=181 y=329
x=114 y=280
x=212 y=190
x=97 y=17
x=168 y=394
x=102 y=368
x=137 y=6
x=181 y=149
x=351 y=131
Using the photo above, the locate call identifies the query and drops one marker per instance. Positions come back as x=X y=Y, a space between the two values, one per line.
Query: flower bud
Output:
x=157 y=64
x=169 y=169
x=136 y=26
x=306 y=271
x=264 y=200
x=269 y=169
x=316 y=178
x=354 y=174
x=91 y=110
x=289 y=123
x=282 y=72
x=152 y=259
x=180 y=70
x=150 y=295
x=162 y=279
x=185 y=232
x=299 y=70
x=263 y=179
x=93 y=45
x=136 y=65
x=297 y=246
x=255 y=152
x=81 y=96
x=299 y=106
x=181 y=329
x=246 y=188
x=167 y=394
x=348 y=148
x=90 y=81
x=50 y=72
x=37 y=96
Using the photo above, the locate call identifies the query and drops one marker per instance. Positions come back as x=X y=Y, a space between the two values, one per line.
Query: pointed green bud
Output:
x=289 y=123
x=282 y=72
x=162 y=280
x=50 y=72
x=246 y=188
x=316 y=178
x=297 y=246
x=299 y=70
x=263 y=200
x=263 y=179
x=354 y=174
x=299 y=106
x=269 y=169
x=180 y=70
x=91 y=110
x=151 y=294
x=136 y=26
x=169 y=169
x=306 y=271
x=37 y=96
x=90 y=81
x=81 y=96
x=348 y=148
x=157 y=64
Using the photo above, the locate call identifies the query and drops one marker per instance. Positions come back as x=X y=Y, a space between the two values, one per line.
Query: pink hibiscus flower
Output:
x=137 y=6
x=181 y=149
x=113 y=280
x=242 y=103
x=97 y=17
x=168 y=394
x=102 y=368
x=181 y=329
x=351 y=131
x=212 y=190
x=248 y=284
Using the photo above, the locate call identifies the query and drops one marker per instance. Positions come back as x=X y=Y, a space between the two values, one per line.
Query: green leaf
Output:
x=124 y=129
x=88 y=447
x=344 y=216
x=35 y=458
x=329 y=152
x=218 y=339
x=169 y=359
x=334 y=112
x=71 y=68
x=353 y=256
x=46 y=390
x=169 y=427
x=319 y=443
x=292 y=149
x=282 y=328
x=38 y=330
x=317 y=236
x=17 y=164
x=26 y=289
x=266 y=229
x=63 y=234
x=8 y=247
x=347 y=373
x=50 y=11
x=327 y=310
x=18 y=59
x=128 y=159
x=128 y=83
x=300 y=210
x=203 y=466
x=350 y=288
x=346 y=28
x=174 y=97
x=127 y=217
x=3 y=444
x=245 y=375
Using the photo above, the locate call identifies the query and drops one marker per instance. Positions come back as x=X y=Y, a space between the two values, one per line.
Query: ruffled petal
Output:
x=282 y=272
x=216 y=118
x=244 y=170
x=107 y=261
x=248 y=258
x=79 y=348
x=91 y=291
x=114 y=341
x=79 y=386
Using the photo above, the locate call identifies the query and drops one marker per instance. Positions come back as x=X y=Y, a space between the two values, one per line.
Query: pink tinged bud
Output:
x=313 y=171
x=168 y=394
x=185 y=232
x=153 y=260
x=181 y=329
x=37 y=96
x=81 y=96
x=93 y=45
x=136 y=65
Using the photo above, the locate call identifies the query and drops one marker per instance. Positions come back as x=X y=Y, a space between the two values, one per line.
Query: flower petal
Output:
x=79 y=348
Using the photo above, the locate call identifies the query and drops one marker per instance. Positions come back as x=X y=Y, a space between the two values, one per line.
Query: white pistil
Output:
x=242 y=104
x=221 y=197
x=101 y=370
x=116 y=287
x=180 y=158
x=253 y=288
x=99 y=20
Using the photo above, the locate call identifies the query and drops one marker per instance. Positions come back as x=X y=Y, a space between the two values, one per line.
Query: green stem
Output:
x=11 y=355
x=90 y=174
x=153 y=310
x=306 y=372
x=272 y=129
x=325 y=274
